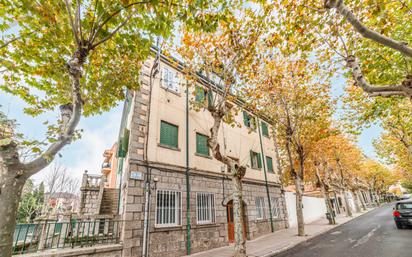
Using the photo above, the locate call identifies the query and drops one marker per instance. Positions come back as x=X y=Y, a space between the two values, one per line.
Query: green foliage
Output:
x=31 y=202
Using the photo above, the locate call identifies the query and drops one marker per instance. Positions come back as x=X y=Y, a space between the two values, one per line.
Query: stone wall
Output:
x=171 y=241
x=98 y=251
x=91 y=194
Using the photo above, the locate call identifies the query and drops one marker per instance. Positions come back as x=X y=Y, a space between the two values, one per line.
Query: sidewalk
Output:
x=279 y=241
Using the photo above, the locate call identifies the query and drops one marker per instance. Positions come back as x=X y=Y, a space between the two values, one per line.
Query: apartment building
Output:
x=175 y=197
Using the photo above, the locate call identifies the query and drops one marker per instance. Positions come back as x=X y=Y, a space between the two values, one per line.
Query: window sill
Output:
x=168 y=147
x=209 y=224
x=203 y=155
x=167 y=228
x=261 y=220
x=171 y=91
x=256 y=168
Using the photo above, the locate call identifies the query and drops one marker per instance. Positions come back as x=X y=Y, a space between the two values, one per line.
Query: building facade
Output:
x=175 y=197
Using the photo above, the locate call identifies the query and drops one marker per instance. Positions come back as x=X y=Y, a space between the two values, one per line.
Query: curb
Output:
x=288 y=247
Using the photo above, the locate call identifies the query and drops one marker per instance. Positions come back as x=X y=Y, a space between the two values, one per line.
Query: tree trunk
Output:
x=362 y=200
x=325 y=193
x=240 y=243
x=347 y=206
x=377 y=199
x=299 y=206
x=356 y=201
x=11 y=190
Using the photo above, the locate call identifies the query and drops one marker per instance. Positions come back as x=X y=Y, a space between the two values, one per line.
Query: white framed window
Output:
x=275 y=207
x=170 y=79
x=168 y=208
x=205 y=208
x=260 y=207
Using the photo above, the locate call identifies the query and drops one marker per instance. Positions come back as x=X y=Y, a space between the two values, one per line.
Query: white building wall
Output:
x=313 y=208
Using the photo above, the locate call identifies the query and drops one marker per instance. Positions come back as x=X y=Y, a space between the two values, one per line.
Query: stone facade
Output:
x=172 y=241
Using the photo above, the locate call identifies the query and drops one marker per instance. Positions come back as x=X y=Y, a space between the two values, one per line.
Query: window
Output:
x=269 y=164
x=260 y=207
x=248 y=120
x=170 y=80
x=265 y=129
x=168 y=208
x=205 y=203
x=168 y=134
x=201 y=144
x=275 y=207
x=201 y=94
x=255 y=160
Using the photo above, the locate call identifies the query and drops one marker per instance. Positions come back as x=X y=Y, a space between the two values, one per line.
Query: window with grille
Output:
x=201 y=144
x=255 y=160
x=170 y=79
x=275 y=207
x=168 y=134
x=260 y=207
x=269 y=164
x=265 y=129
x=205 y=208
x=168 y=208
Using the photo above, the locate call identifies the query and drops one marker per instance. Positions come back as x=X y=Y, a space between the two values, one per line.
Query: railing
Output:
x=43 y=236
x=92 y=181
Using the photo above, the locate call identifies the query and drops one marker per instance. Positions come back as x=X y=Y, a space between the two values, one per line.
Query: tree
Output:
x=223 y=57
x=31 y=203
x=372 y=42
x=59 y=181
x=294 y=96
x=395 y=144
x=378 y=177
x=79 y=56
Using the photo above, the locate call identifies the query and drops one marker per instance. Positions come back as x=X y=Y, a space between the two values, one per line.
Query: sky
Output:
x=100 y=133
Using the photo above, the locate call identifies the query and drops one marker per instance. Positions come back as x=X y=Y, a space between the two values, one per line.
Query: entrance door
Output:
x=231 y=222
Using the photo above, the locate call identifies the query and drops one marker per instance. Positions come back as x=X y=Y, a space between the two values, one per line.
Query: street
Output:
x=371 y=235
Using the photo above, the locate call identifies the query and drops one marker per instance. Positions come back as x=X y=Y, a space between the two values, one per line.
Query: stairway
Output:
x=110 y=201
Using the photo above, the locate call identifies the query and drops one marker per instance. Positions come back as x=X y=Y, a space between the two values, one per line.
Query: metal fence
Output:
x=42 y=236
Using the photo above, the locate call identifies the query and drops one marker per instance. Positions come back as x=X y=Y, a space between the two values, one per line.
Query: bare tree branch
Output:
x=72 y=24
x=343 y=10
x=405 y=89
x=112 y=33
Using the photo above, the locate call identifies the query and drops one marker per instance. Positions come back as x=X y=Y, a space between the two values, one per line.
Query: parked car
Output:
x=402 y=214
x=406 y=196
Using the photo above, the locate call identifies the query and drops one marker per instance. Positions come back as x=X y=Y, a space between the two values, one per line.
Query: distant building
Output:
x=109 y=166
x=60 y=202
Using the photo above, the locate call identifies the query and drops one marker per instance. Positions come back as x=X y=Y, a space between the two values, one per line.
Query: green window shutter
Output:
x=199 y=94
x=265 y=130
x=246 y=119
x=168 y=134
x=209 y=97
x=201 y=144
x=259 y=160
x=269 y=163
x=124 y=143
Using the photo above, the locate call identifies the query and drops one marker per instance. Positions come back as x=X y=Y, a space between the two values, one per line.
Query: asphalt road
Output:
x=372 y=235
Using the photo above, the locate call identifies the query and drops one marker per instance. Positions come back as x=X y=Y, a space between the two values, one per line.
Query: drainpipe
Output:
x=154 y=70
x=188 y=245
x=266 y=178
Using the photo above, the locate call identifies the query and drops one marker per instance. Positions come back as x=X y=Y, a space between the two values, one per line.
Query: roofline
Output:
x=205 y=81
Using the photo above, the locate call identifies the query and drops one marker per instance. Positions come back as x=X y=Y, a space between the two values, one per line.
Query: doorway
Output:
x=231 y=223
